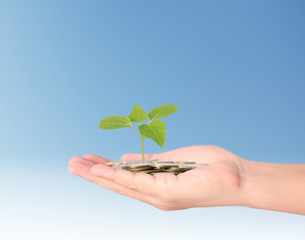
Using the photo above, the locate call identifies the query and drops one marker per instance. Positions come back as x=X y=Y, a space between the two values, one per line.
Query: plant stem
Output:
x=135 y=130
x=143 y=149
x=142 y=141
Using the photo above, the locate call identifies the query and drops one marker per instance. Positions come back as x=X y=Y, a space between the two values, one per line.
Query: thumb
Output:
x=135 y=156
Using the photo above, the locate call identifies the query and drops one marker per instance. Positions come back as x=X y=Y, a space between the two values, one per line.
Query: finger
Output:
x=82 y=170
x=96 y=158
x=140 y=182
x=81 y=160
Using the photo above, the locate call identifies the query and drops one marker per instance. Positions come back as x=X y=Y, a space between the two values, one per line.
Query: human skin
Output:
x=227 y=180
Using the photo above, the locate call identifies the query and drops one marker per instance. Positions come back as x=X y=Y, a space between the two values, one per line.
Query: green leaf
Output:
x=137 y=114
x=114 y=122
x=154 y=130
x=162 y=111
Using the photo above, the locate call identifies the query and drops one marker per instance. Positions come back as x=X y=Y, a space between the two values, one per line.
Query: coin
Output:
x=138 y=165
x=166 y=165
x=171 y=173
x=112 y=163
x=191 y=165
x=138 y=169
x=177 y=169
x=155 y=166
x=183 y=162
x=109 y=163
x=138 y=161
x=155 y=160
x=152 y=171
x=161 y=161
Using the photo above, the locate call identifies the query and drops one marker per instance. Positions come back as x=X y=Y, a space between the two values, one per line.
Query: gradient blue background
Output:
x=235 y=69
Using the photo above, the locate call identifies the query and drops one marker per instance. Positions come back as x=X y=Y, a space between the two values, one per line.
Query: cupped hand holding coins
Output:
x=187 y=177
x=217 y=182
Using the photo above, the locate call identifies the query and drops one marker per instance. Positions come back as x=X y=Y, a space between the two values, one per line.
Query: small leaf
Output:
x=114 y=122
x=162 y=111
x=154 y=130
x=137 y=114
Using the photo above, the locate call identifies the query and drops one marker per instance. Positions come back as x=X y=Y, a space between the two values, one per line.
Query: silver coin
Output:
x=191 y=165
x=131 y=162
x=163 y=165
x=171 y=173
x=184 y=162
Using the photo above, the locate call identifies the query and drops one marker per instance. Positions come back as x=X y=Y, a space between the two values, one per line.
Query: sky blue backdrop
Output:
x=235 y=69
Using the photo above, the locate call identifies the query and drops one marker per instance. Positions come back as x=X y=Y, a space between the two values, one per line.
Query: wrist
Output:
x=252 y=175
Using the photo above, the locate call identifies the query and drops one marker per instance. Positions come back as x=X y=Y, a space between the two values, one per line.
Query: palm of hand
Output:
x=215 y=184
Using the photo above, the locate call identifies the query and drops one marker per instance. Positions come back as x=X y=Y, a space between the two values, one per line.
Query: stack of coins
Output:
x=155 y=166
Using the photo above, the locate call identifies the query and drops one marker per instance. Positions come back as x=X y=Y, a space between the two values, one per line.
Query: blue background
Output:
x=235 y=69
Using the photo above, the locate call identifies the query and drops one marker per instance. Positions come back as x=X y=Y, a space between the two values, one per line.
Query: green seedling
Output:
x=154 y=129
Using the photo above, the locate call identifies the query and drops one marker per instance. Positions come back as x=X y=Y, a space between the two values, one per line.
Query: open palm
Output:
x=216 y=184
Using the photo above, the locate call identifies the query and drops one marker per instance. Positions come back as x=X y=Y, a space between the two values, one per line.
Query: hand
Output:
x=216 y=184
